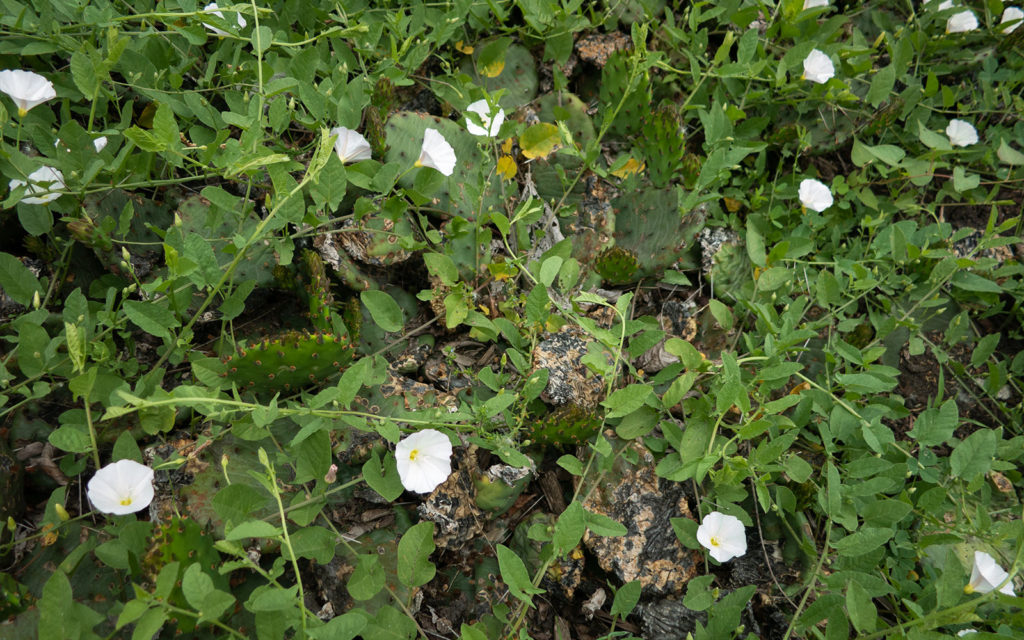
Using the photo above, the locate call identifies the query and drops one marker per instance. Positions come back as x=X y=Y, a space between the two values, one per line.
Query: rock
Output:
x=644 y=503
x=569 y=380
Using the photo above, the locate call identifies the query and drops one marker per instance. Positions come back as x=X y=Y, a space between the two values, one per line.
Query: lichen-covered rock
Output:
x=645 y=504
x=569 y=380
x=452 y=507
x=596 y=47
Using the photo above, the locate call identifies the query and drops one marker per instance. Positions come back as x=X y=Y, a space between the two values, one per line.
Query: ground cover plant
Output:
x=533 y=319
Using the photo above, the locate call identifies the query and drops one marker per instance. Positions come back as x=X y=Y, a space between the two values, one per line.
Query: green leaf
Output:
x=602 y=525
x=201 y=593
x=626 y=599
x=722 y=313
x=344 y=627
x=414 y=549
x=571 y=464
x=443 y=267
x=253 y=529
x=931 y=139
x=514 y=574
x=569 y=528
x=1008 y=154
x=261 y=38
x=864 y=540
x=388 y=485
x=152 y=317
x=973 y=282
x=367 y=579
x=936 y=425
x=383 y=309
x=313 y=543
x=973 y=456
x=54 y=607
x=686 y=532
x=698 y=593
x=627 y=400
x=881 y=86
x=144 y=139
x=963 y=181
x=861 y=608
x=164 y=127
x=17 y=281
x=539 y=140
x=84 y=74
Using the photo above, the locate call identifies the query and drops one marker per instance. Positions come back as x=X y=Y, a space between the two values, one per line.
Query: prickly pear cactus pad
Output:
x=514 y=70
x=290 y=361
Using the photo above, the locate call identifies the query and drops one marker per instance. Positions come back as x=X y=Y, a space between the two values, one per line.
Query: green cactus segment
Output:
x=649 y=225
x=376 y=115
x=518 y=76
x=117 y=219
x=319 y=291
x=614 y=86
x=291 y=361
x=498 y=487
x=726 y=263
x=662 y=144
x=617 y=265
x=460 y=194
x=196 y=215
x=566 y=107
x=568 y=424
x=690 y=169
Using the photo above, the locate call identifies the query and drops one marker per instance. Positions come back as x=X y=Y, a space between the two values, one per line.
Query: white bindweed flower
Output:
x=1011 y=14
x=121 y=487
x=818 y=67
x=492 y=122
x=961 y=133
x=945 y=4
x=965 y=632
x=213 y=8
x=350 y=145
x=815 y=195
x=100 y=143
x=436 y=153
x=961 y=22
x=986 y=575
x=811 y=4
x=424 y=460
x=45 y=181
x=26 y=88
x=723 y=536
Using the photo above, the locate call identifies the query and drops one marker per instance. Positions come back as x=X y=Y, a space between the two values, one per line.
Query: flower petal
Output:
x=436 y=153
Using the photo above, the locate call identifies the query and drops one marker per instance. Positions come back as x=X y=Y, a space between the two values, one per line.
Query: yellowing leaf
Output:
x=506 y=167
x=506 y=147
x=493 y=69
x=632 y=166
x=464 y=48
x=539 y=140
x=732 y=204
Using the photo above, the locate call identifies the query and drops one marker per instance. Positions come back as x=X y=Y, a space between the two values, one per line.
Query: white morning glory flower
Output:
x=811 y=4
x=818 y=67
x=212 y=8
x=46 y=181
x=121 y=487
x=961 y=22
x=424 y=460
x=986 y=575
x=945 y=4
x=961 y=133
x=965 y=632
x=815 y=195
x=1011 y=14
x=350 y=145
x=492 y=123
x=99 y=143
x=436 y=153
x=723 y=536
x=26 y=88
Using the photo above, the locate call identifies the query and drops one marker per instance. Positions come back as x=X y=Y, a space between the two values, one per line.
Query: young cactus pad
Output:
x=289 y=361
x=518 y=76
x=569 y=424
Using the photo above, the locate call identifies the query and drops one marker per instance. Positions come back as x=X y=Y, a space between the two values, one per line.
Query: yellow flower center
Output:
x=714 y=541
x=125 y=501
x=969 y=588
x=413 y=454
x=22 y=111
